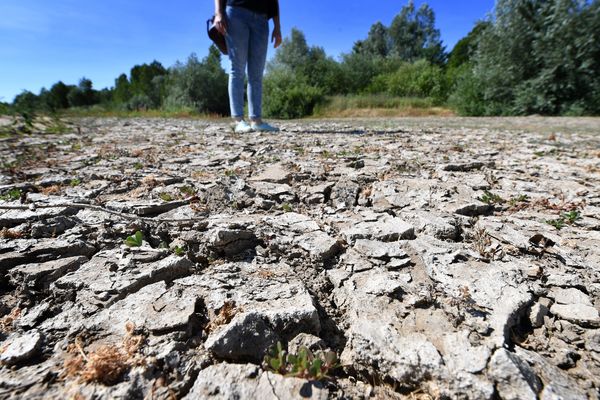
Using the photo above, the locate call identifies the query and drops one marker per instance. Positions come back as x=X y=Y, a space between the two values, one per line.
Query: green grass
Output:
x=99 y=111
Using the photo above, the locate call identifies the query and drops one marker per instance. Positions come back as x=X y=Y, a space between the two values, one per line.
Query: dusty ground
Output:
x=436 y=257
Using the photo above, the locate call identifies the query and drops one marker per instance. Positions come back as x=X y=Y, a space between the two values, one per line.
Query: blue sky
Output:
x=44 y=41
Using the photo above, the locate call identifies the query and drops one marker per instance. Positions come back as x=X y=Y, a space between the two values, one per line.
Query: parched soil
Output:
x=436 y=257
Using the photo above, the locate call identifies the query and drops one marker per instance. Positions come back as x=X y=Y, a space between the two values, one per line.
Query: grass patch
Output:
x=107 y=112
x=379 y=105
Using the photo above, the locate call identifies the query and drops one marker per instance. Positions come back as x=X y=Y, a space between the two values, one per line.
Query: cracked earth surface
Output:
x=438 y=258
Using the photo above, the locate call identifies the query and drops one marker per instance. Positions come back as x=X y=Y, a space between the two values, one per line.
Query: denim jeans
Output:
x=247 y=41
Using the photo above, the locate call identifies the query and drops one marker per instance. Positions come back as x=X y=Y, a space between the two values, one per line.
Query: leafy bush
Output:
x=467 y=95
x=419 y=79
x=200 y=85
x=5 y=108
x=286 y=95
x=536 y=57
x=140 y=102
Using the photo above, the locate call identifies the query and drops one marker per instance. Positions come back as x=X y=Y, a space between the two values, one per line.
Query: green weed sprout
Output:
x=304 y=365
x=490 y=198
x=12 y=195
x=571 y=217
x=135 y=240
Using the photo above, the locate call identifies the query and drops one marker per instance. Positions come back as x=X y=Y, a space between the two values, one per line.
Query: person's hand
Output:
x=276 y=37
x=220 y=23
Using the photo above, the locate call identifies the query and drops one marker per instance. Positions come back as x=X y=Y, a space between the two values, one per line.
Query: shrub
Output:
x=199 y=85
x=467 y=95
x=287 y=95
x=419 y=79
x=4 y=109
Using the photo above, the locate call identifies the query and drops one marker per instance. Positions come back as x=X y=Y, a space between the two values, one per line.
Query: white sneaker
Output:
x=263 y=127
x=243 y=127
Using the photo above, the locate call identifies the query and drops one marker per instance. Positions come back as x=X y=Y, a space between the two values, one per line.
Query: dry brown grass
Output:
x=149 y=181
x=223 y=316
x=6 y=233
x=201 y=175
x=6 y=322
x=388 y=112
x=105 y=364
x=51 y=190
x=561 y=206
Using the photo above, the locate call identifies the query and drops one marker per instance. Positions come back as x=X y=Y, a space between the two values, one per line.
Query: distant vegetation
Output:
x=530 y=57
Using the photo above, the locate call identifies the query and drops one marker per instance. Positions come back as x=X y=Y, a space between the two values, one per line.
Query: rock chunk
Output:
x=45 y=250
x=388 y=229
x=247 y=338
x=276 y=173
x=155 y=307
x=235 y=381
x=515 y=380
x=40 y=276
x=109 y=277
x=575 y=306
x=21 y=348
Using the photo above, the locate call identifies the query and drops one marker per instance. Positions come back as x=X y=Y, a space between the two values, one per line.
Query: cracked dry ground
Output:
x=426 y=253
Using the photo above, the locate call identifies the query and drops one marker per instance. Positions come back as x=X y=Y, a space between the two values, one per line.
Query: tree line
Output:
x=529 y=57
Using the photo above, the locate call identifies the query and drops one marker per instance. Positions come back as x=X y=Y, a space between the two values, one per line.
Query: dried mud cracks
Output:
x=426 y=253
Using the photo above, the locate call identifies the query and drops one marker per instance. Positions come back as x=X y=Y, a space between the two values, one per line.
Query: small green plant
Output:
x=305 y=364
x=230 y=173
x=166 y=197
x=299 y=150
x=12 y=195
x=571 y=217
x=135 y=240
x=138 y=165
x=75 y=182
x=558 y=223
x=490 y=198
x=515 y=200
x=187 y=190
x=179 y=251
x=566 y=218
x=57 y=127
x=287 y=207
x=326 y=154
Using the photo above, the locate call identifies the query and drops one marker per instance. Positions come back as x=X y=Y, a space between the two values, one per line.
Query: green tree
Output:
x=26 y=101
x=310 y=64
x=143 y=83
x=465 y=48
x=199 y=85
x=377 y=43
x=59 y=92
x=414 y=36
x=122 y=91
x=293 y=53
x=5 y=108
x=539 y=57
x=26 y=104
x=82 y=95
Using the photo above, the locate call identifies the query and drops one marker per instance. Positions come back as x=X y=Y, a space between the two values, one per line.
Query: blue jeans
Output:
x=247 y=41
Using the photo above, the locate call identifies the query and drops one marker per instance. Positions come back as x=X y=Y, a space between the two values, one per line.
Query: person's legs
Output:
x=237 y=39
x=257 y=57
